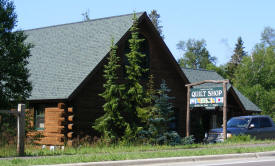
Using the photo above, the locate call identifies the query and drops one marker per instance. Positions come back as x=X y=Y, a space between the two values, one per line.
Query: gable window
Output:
x=144 y=49
x=39 y=117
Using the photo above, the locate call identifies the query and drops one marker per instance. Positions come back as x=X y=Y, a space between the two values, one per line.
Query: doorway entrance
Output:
x=203 y=120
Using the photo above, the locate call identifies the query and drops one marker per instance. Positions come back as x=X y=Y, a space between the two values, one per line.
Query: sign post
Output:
x=21 y=129
x=207 y=97
x=20 y=114
x=224 y=111
x=188 y=112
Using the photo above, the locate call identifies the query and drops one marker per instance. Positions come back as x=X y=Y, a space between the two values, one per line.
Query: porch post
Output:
x=188 y=112
x=224 y=110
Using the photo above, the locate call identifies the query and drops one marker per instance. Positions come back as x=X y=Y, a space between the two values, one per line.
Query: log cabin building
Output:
x=66 y=70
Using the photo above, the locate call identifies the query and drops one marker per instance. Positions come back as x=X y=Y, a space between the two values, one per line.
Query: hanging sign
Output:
x=206 y=97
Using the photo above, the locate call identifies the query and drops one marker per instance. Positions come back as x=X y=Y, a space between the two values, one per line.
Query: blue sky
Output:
x=219 y=22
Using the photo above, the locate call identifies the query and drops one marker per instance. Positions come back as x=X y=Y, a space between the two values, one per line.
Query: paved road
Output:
x=263 y=161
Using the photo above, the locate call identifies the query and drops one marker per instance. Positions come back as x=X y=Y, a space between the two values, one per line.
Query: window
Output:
x=238 y=122
x=256 y=123
x=265 y=122
x=39 y=117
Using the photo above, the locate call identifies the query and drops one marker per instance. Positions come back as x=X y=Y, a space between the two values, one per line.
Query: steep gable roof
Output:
x=64 y=55
x=197 y=75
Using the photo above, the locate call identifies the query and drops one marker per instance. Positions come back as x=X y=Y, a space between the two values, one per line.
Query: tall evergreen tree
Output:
x=236 y=58
x=14 y=54
x=112 y=124
x=239 y=52
x=154 y=16
x=151 y=92
x=160 y=122
x=195 y=54
x=147 y=112
x=135 y=96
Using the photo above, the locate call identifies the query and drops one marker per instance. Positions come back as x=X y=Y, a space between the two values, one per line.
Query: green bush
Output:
x=7 y=129
x=188 y=140
x=240 y=138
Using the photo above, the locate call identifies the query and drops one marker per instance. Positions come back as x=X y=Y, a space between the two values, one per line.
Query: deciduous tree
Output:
x=255 y=78
x=14 y=54
x=195 y=54
x=268 y=36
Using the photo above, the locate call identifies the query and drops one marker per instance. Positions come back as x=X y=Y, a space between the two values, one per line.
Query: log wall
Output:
x=52 y=133
x=58 y=125
x=88 y=104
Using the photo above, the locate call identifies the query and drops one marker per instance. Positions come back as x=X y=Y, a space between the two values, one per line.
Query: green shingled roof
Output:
x=64 y=55
x=197 y=75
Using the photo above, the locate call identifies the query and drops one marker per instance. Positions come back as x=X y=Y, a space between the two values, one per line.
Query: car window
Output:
x=265 y=122
x=238 y=122
x=256 y=123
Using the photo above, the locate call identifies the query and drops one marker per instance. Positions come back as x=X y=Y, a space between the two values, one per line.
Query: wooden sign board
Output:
x=206 y=97
x=203 y=94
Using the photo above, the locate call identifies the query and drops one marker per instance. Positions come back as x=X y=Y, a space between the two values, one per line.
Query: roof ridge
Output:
x=200 y=69
x=57 y=25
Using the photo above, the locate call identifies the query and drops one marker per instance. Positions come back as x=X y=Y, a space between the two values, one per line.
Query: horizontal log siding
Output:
x=53 y=133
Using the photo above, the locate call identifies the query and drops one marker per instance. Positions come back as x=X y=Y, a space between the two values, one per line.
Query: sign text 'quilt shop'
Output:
x=206 y=97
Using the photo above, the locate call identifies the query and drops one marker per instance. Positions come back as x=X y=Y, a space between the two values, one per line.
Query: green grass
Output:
x=10 y=151
x=100 y=152
x=105 y=149
x=111 y=156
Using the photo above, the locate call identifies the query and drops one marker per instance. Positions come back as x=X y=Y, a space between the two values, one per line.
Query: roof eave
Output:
x=47 y=100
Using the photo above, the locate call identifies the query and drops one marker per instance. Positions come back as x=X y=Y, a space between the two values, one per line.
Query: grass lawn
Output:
x=123 y=152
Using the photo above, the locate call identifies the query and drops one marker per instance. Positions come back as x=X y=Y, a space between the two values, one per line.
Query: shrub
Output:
x=240 y=138
x=188 y=140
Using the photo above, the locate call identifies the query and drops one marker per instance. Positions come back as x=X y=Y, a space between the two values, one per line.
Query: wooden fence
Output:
x=20 y=113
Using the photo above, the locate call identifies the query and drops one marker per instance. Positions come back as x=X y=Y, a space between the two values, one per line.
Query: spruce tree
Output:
x=151 y=92
x=160 y=130
x=154 y=17
x=135 y=95
x=112 y=124
x=236 y=58
x=239 y=52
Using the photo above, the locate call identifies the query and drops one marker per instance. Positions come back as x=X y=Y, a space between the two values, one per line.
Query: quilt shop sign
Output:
x=206 y=97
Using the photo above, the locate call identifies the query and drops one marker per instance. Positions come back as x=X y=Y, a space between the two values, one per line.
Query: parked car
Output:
x=258 y=126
